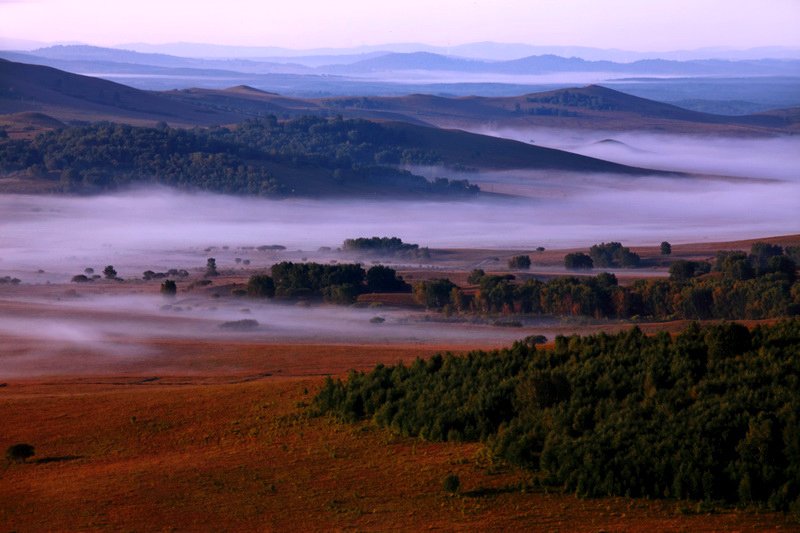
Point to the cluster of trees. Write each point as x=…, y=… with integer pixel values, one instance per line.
x=712, y=413
x=386, y=246
x=764, y=258
x=604, y=255
x=106, y=156
x=150, y=274
x=773, y=293
x=341, y=283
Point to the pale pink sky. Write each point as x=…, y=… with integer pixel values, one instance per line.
x=639, y=25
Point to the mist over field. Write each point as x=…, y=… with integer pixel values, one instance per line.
x=159, y=229
x=49, y=239
x=87, y=333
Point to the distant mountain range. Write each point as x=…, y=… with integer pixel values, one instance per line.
x=115, y=60
x=430, y=130
x=481, y=50
x=69, y=97
x=710, y=85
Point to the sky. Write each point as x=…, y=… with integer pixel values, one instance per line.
x=636, y=25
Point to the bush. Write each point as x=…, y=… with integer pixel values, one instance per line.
x=532, y=340
x=80, y=278
x=240, y=325
x=169, y=288
x=20, y=452
x=451, y=483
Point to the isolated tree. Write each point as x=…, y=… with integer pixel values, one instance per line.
x=169, y=288
x=519, y=262
x=540, y=249
x=80, y=278
x=578, y=261
x=89, y=271
x=20, y=452
x=109, y=272
x=666, y=248
x=211, y=268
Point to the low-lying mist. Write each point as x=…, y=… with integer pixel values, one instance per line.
x=111, y=331
x=773, y=158
x=49, y=239
x=159, y=229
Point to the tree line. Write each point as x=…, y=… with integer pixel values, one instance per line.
x=711, y=414
x=762, y=284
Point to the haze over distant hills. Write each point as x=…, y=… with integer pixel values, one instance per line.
x=479, y=50
x=69, y=97
x=711, y=85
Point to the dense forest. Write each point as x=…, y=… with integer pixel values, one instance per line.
x=762, y=284
x=710, y=414
x=105, y=156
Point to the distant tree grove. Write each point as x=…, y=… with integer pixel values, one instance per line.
x=737, y=286
x=106, y=156
x=341, y=284
x=710, y=414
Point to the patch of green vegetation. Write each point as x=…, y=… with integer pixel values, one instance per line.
x=107, y=156
x=711, y=414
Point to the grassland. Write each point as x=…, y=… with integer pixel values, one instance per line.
x=216, y=435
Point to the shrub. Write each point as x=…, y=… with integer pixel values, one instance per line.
x=246, y=324
x=20, y=452
x=169, y=288
x=451, y=483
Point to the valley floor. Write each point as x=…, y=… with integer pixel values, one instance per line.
x=230, y=452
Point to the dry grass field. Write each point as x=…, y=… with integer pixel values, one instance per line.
x=214, y=452
x=209, y=434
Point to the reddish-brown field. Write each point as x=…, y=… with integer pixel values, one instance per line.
x=215, y=434
x=216, y=452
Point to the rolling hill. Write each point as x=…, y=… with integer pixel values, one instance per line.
x=70, y=97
